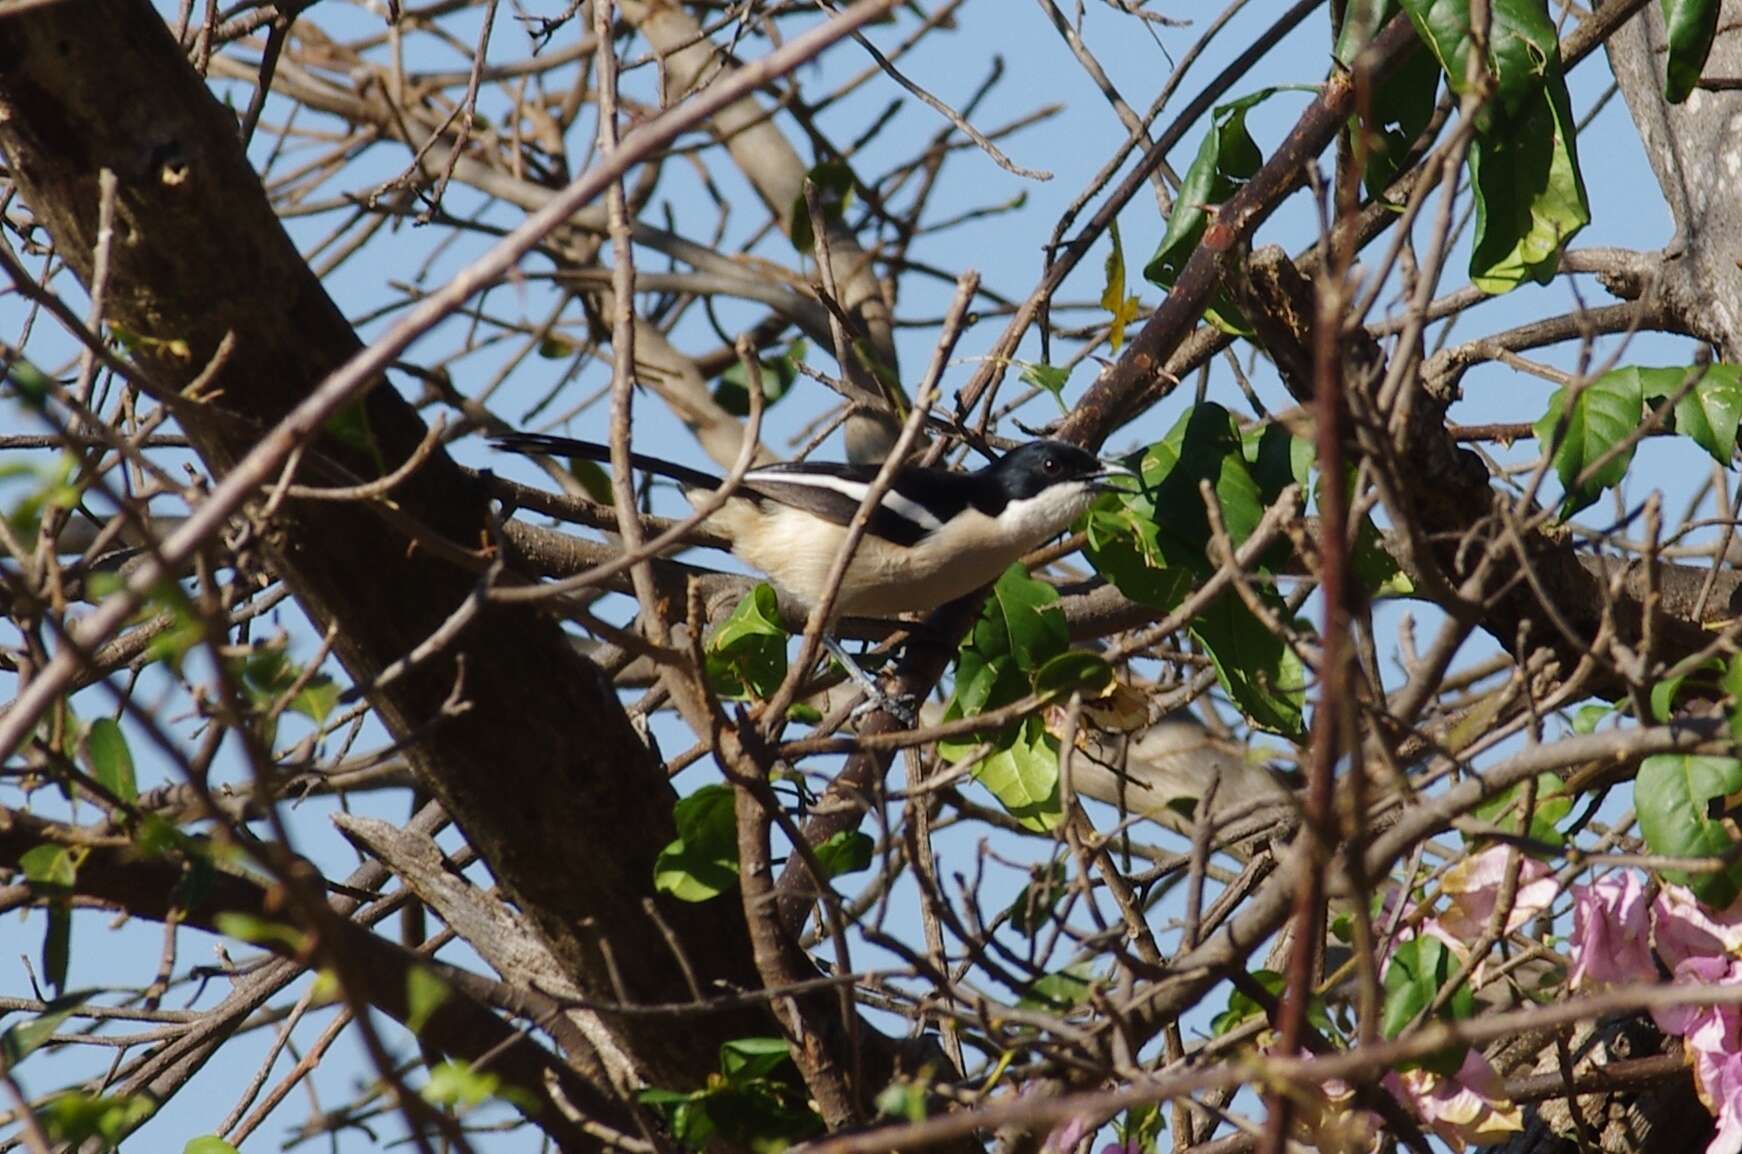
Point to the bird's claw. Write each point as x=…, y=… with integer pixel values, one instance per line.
x=898, y=706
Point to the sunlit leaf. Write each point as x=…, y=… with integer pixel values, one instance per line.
x=1709, y=411
x=1691, y=25
x=460, y=1086
x=1553, y=804
x=1676, y=796
x=1113, y=298
x=76, y=1117
x=110, y=761
x=779, y=374
x=1524, y=167
x=1024, y=776
x=1227, y=158
x=1048, y=377
x=17, y=1042
x=1403, y=104
x=1419, y=969
x=746, y=656
x=702, y=862
x=1601, y=416
x=845, y=852
x=425, y=991
x=1063, y=990
x=260, y=931
x=1260, y=672
x=1021, y=618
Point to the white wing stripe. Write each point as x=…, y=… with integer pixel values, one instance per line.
x=855, y=491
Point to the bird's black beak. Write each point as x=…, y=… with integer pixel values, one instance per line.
x=1113, y=477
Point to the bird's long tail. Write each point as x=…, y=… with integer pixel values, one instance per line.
x=533, y=444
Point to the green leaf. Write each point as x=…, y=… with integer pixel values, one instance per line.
x=1076, y=669
x=702, y=862
x=754, y=1102
x=1113, y=297
x=981, y=685
x=555, y=348
x=1062, y=990
x=57, y=944
x=316, y=699
x=746, y=1059
x=34, y=386
x=904, y=1100
x=1124, y=546
x=76, y=1117
x=350, y=427
x=55, y=488
x=1033, y=907
x=1024, y=776
x=154, y=836
x=1692, y=25
x=459, y=1086
x=208, y=1144
x=110, y=762
x=1553, y=804
x=260, y=931
x=779, y=374
x=1257, y=669
x=833, y=180
x=1374, y=566
x=845, y=852
x=1709, y=411
x=1731, y=683
x=1242, y=1007
x=1048, y=377
x=1587, y=717
x=1226, y=160
x=1675, y=795
x=1524, y=167
x=746, y=656
x=1203, y=445
x=1277, y=459
x=1603, y=414
x=1664, y=693
x=1419, y=969
x=1404, y=102
x=17, y=1042
x=49, y=869
x=185, y=630
x=1021, y=619
x=425, y=991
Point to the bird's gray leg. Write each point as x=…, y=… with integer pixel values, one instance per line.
x=899, y=708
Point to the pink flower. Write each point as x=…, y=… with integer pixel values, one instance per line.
x=1474, y=886
x=1469, y=1107
x=1611, y=931
x=1714, y=1040
x=1683, y=928
x=1694, y=971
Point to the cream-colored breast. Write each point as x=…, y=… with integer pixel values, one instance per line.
x=796, y=550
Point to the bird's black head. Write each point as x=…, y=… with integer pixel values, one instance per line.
x=1031, y=469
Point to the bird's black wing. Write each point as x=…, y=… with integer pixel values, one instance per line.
x=917, y=504
x=544, y=443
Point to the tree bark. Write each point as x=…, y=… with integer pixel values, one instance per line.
x=533, y=756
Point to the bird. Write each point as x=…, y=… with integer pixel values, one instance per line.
x=935, y=536
x=1168, y=767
